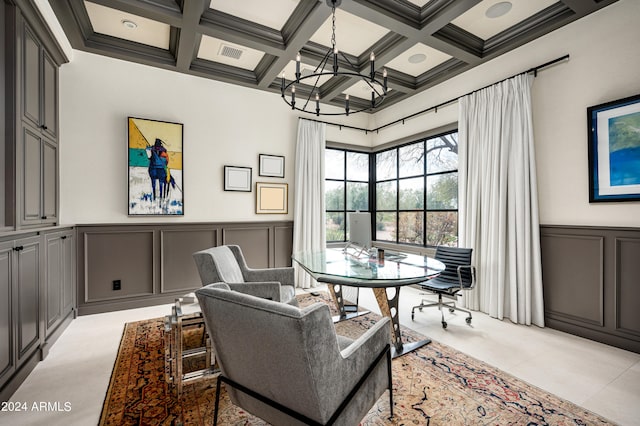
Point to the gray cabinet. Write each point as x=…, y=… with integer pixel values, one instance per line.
x=27, y=289
x=33, y=161
x=39, y=76
x=20, y=330
x=33, y=310
x=38, y=160
x=59, y=294
x=7, y=359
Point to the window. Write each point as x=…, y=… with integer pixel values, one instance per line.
x=416, y=192
x=346, y=189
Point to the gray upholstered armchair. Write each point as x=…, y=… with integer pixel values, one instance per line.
x=226, y=264
x=293, y=369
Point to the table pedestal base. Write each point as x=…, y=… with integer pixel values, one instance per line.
x=345, y=314
x=388, y=307
x=405, y=348
x=348, y=316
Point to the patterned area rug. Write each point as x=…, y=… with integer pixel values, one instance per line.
x=435, y=385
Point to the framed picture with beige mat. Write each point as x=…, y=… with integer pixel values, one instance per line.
x=272, y=198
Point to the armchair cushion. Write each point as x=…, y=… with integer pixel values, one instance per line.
x=227, y=264
x=266, y=290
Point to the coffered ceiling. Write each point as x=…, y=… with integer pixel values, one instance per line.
x=421, y=43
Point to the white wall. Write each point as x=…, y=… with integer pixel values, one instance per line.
x=223, y=125
x=230, y=125
x=604, y=65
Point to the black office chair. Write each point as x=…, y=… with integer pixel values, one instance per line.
x=458, y=275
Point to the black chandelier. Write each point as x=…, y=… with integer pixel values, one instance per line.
x=378, y=88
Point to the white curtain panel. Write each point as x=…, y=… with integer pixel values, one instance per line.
x=498, y=201
x=309, y=232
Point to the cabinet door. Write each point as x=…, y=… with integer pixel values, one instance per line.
x=7, y=362
x=54, y=283
x=49, y=123
x=49, y=181
x=31, y=177
x=30, y=74
x=27, y=287
x=68, y=274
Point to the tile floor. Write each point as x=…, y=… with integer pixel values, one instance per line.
x=601, y=378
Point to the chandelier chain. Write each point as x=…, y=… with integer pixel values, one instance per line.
x=333, y=29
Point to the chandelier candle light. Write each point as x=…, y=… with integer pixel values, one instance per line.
x=378, y=88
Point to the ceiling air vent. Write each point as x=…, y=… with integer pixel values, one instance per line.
x=230, y=52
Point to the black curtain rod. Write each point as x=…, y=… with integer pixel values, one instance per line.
x=533, y=70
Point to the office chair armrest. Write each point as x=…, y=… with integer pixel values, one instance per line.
x=472, y=269
x=265, y=290
x=284, y=276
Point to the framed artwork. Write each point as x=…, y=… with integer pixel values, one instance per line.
x=272, y=198
x=271, y=165
x=237, y=178
x=614, y=150
x=155, y=168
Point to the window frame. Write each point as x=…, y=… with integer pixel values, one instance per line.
x=423, y=138
x=397, y=179
x=345, y=181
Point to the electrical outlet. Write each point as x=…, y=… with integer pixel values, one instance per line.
x=117, y=285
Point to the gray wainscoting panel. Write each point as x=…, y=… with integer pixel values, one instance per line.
x=178, y=270
x=283, y=245
x=591, y=279
x=154, y=261
x=254, y=242
x=126, y=256
x=628, y=285
x=578, y=285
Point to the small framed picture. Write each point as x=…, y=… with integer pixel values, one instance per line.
x=272, y=198
x=614, y=150
x=271, y=165
x=237, y=178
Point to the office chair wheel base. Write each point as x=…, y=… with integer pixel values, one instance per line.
x=420, y=309
x=468, y=319
x=412, y=315
x=444, y=324
x=451, y=310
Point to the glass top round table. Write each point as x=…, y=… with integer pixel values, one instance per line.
x=339, y=267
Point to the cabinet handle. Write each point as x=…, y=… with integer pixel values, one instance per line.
x=43, y=217
x=44, y=127
x=64, y=237
x=19, y=248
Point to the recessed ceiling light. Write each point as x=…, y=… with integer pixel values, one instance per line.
x=129, y=24
x=417, y=58
x=498, y=9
